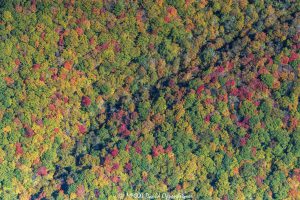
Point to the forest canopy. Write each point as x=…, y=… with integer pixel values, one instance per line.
x=106, y=97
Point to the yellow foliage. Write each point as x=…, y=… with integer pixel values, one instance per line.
x=25, y=195
x=7, y=129
x=149, y=158
x=202, y=3
x=191, y=170
x=243, y=4
x=160, y=2
x=213, y=147
x=2, y=155
x=31, y=156
x=73, y=195
x=226, y=112
x=180, y=111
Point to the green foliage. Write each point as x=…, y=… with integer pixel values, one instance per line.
x=267, y=79
x=144, y=109
x=99, y=98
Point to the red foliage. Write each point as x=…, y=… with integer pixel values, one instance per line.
x=187, y=3
x=294, y=56
x=270, y=61
x=155, y=152
x=167, y=19
x=97, y=193
x=293, y=123
x=256, y=84
x=102, y=10
x=122, y=128
x=233, y=117
x=43, y=34
x=107, y=160
x=225, y=197
x=42, y=171
x=200, y=89
x=66, y=99
x=63, y=75
x=127, y=147
x=160, y=149
x=86, y=101
x=82, y=129
x=17, y=62
x=244, y=124
x=42, y=196
x=126, y=133
x=19, y=150
x=92, y=41
x=79, y=31
x=118, y=115
x=229, y=65
x=223, y=98
x=54, y=77
x=247, y=136
x=8, y=80
x=263, y=70
x=247, y=59
x=80, y=191
x=117, y=47
x=214, y=78
x=253, y=151
x=243, y=141
x=151, y=46
x=169, y=149
x=134, y=115
x=68, y=65
x=297, y=171
x=119, y=188
x=52, y=107
x=18, y=8
x=122, y=15
x=115, y=166
x=29, y=132
x=259, y=180
x=230, y=83
x=256, y=103
x=42, y=78
x=220, y=69
x=36, y=66
x=207, y=118
x=138, y=148
x=234, y=92
x=128, y=166
x=178, y=187
x=284, y=60
x=172, y=83
x=114, y=152
x=244, y=93
x=172, y=11
x=61, y=40
x=17, y=121
x=139, y=16
x=209, y=101
x=115, y=179
x=102, y=47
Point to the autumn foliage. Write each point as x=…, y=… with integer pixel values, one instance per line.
x=104, y=98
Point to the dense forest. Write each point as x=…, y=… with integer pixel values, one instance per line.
x=106, y=97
